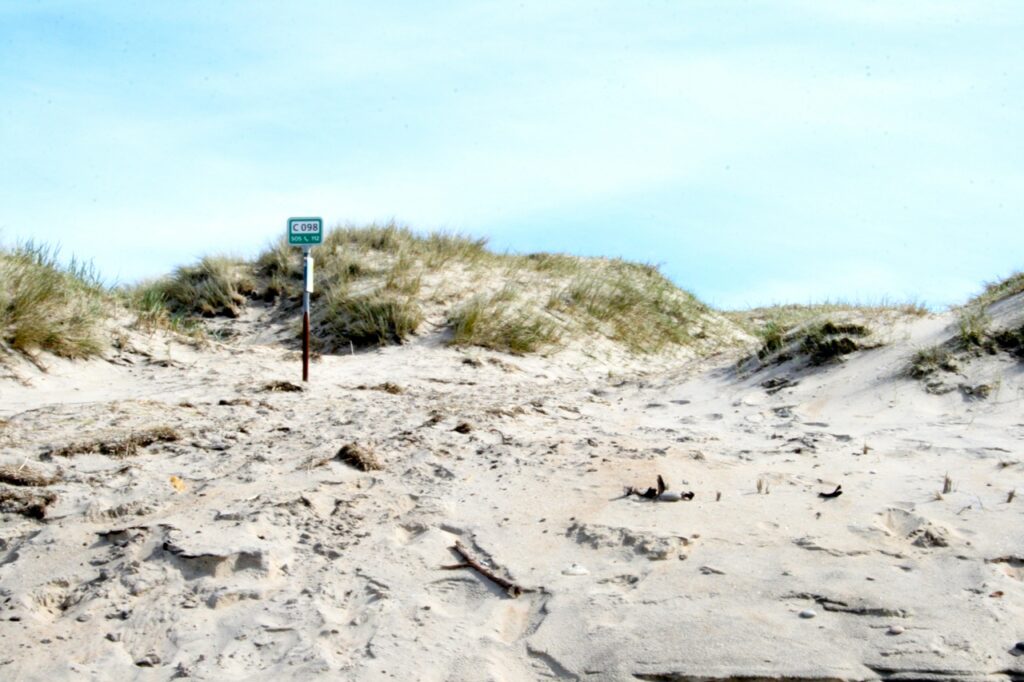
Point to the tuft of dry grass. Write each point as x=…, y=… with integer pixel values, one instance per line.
x=360, y=457
x=386, y=387
x=487, y=322
x=821, y=340
x=998, y=291
x=279, y=385
x=830, y=340
x=927, y=361
x=123, y=446
x=30, y=503
x=25, y=476
x=375, y=319
x=772, y=324
x=215, y=286
x=48, y=306
x=632, y=304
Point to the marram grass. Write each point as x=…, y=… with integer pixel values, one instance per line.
x=48, y=306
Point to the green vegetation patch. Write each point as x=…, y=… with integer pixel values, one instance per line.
x=829, y=341
x=491, y=322
x=215, y=286
x=927, y=361
x=378, y=318
x=821, y=342
x=47, y=306
x=632, y=304
x=772, y=324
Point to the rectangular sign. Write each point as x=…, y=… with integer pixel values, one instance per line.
x=305, y=231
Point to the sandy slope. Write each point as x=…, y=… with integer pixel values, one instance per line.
x=272, y=564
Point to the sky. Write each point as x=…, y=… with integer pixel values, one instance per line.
x=759, y=152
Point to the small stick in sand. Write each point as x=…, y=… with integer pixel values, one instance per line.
x=835, y=493
x=470, y=562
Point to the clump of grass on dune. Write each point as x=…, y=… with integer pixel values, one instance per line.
x=974, y=323
x=997, y=291
x=148, y=301
x=495, y=322
x=48, y=306
x=280, y=266
x=775, y=326
x=632, y=304
x=377, y=318
x=372, y=244
x=927, y=361
x=216, y=285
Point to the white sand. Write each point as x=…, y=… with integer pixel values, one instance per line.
x=268, y=567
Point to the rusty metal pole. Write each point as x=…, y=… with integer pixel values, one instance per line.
x=307, y=271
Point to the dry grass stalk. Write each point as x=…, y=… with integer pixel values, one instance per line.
x=125, y=446
x=947, y=485
x=24, y=476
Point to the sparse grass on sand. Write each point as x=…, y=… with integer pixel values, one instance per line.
x=975, y=324
x=821, y=331
x=125, y=445
x=632, y=304
x=48, y=306
x=25, y=476
x=488, y=322
x=997, y=291
x=927, y=361
x=975, y=334
x=770, y=323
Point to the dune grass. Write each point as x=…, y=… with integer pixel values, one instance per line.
x=632, y=304
x=216, y=285
x=48, y=306
x=974, y=322
x=492, y=322
x=376, y=319
x=775, y=326
x=927, y=361
x=997, y=291
x=377, y=284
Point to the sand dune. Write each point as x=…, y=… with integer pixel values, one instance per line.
x=196, y=519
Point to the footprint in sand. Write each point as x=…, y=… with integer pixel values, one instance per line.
x=645, y=543
x=920, y=531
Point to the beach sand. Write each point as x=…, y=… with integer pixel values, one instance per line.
x=198, y=520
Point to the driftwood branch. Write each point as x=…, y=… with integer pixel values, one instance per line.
x=835, y=493
x=511, y=588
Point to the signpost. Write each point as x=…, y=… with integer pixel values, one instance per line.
x=306, y=232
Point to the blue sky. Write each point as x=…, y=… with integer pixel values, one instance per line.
x=760, y=152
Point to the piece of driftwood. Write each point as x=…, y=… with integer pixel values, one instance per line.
x=655, y=493
x=511, y=588
x=835, y=493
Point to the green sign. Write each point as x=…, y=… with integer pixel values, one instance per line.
x=305, y=231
